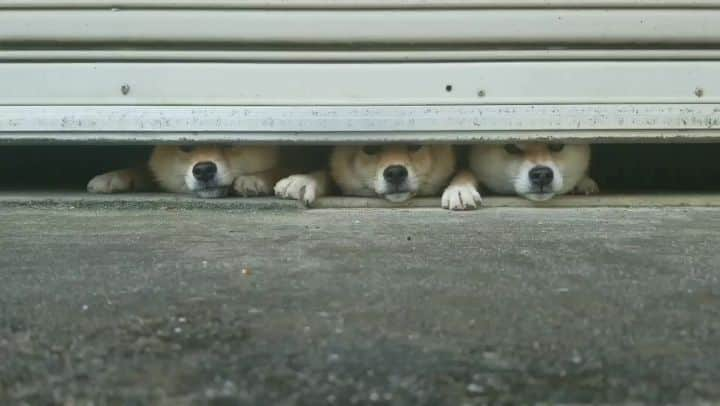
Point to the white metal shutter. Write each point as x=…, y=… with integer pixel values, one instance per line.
x=322, y=71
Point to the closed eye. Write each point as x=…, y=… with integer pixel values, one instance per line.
x=513, y=149
x=371, y=149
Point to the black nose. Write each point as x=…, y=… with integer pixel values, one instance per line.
x=541, y=176
x=204, y=171
x=395, y=174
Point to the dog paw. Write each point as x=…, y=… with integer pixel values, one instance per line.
x=299, y=187
x=586, y=186
x=461, y=197
x=111, y=182
x=251, y=186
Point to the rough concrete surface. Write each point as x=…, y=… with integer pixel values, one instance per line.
x=82, y=200
x=405, y=307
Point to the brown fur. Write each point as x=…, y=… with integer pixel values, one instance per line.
x=248, y=170
x=358, y=173
x=505, y=171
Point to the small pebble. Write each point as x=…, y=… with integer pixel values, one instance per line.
x=576, y=358
x=475, y=388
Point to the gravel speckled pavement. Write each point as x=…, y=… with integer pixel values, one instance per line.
x=403, y=307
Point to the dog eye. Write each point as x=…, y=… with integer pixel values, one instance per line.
x=556, y=147
x=414, y=148
x=512, y=149
x=186, y=148
x=371, y=149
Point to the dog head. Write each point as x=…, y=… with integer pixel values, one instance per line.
x=207, y=170
x=394, y=172
x=537, y=171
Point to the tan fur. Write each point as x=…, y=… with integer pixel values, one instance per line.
x=537, y=153
x=358, y=173
x=123, y=180
x=504, y=172
x=248, y=170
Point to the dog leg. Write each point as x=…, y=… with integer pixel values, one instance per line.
x=124, y=180
x=586, y=186
x=257, y=184
x=305, y=188
x=462, y=193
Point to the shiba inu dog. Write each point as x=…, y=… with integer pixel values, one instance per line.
x=208, y=171
x=393, y=172
x=536, y=171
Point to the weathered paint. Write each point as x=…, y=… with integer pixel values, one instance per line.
x=482, y=70
x=369, y=119
x=325, y=56
x=537, y=82
x=338, y=137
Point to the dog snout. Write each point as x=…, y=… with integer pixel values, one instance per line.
x=395, y=174
x=541, y=176
x=204, y=171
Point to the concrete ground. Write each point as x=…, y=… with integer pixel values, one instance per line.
x=409, y=307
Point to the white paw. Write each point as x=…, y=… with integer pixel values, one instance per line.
x=586, y=186
x=300, y=187
x=251, y=186
x=111, y=182
x=461, y=197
